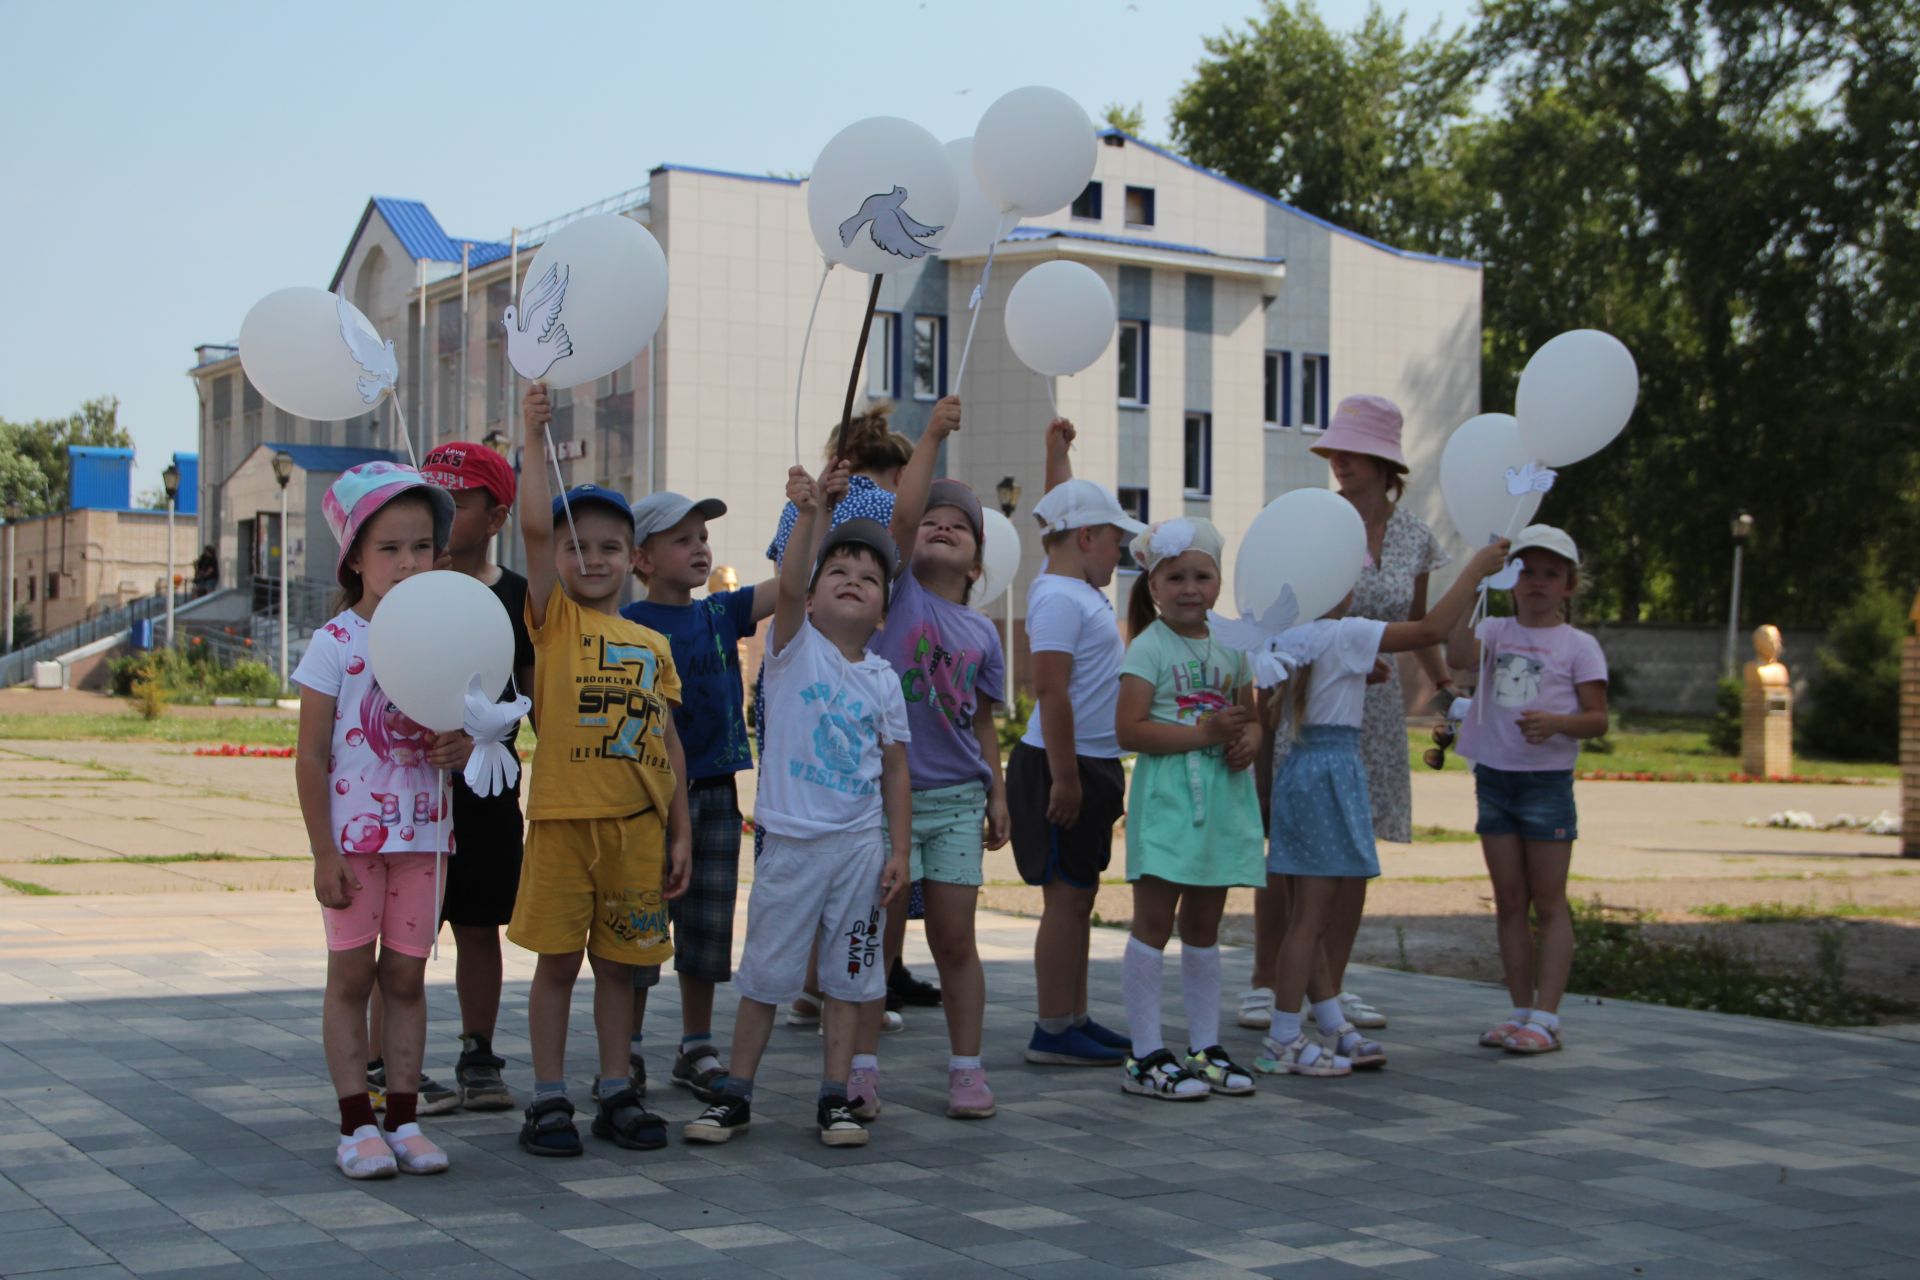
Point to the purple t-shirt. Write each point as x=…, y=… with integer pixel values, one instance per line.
x=1527, y=669
x=949, y=662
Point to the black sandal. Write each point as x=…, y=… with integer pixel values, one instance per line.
x=625, y=1123
x=549, y=1131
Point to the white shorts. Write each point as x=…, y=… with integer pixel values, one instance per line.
x=825, y=889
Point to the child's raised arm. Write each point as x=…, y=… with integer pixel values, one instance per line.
x=1060, y=435
x=536, y=501
x=1432, y=629
x=796, y=566
x=916, y=480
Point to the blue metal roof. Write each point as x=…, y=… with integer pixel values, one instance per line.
x=97, y=451
x=1278, y=203
x=421, y=235
x=1062, y=233
x=330, y=457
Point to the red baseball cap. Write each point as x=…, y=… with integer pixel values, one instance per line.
x=461, y=464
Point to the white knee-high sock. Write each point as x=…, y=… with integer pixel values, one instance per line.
x=1200, y=987
x=1140, y=971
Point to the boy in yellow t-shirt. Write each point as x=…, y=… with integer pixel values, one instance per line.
x=608, y=841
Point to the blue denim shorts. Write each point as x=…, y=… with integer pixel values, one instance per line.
x=1532, y=805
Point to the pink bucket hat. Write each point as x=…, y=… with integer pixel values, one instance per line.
x=1365, y=424
x=360, y=491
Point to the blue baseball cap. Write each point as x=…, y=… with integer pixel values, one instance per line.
x=586, y=494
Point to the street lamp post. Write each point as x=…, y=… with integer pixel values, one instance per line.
x=13, y=518
x=1008, y=491
x=1742, y=530
x=496, y=440
x=170, y=479
x=283, y=472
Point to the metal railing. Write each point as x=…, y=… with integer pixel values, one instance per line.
x=16, y=666
x=624, y=202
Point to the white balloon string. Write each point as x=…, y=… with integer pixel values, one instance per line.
x=1052, y=403
x=800, y=376
x=439, y=863
x=560, y=485
x=979, y=296
x=406, y=436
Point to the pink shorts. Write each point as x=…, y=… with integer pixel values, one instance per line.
x=396, y=903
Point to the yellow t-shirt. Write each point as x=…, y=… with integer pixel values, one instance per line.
x=602, y=689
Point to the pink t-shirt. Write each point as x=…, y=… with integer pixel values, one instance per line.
x=386, y=798
x=1527, y=669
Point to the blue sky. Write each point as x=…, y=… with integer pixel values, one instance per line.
x=166, y=165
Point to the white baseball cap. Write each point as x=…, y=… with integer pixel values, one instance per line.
x=1546, y=538
x=1081, y=504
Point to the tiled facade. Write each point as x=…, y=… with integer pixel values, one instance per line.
x=71, y=565
x=1226, y=291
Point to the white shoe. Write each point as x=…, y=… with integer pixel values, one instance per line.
x=892, y=1021
x=1360, y=1013
x=1256, y=1008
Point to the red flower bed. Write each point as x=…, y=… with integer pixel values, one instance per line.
x=234, y=749
x=1616, y=775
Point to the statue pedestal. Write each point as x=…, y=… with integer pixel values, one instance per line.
x=1766, y=709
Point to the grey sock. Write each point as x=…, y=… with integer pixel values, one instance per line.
x=549, y=1089
x=833, y=1089
x=1080, y=1018
x=1054, y=1026
x=606, y=1088
x=736, y=1087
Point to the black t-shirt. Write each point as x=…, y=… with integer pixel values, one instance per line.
x=512, y=593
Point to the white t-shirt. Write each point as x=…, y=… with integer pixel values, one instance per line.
x=827, y=719
x=1065, y=615
x=385, y=797
x=1337, y=680
x=1527, y=669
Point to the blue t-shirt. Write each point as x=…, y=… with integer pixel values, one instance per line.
x=705, y=637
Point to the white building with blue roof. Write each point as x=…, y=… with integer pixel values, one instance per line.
x=1242, y=322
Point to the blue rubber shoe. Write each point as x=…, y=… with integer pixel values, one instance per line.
x=1071, y=1048
x=1106, y=1036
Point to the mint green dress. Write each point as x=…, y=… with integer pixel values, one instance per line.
x=1190, y=819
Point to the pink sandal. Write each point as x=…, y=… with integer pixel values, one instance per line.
x=1496, y=1037
x=1533, y=1038
x=363, y=1155
x=414, y=1151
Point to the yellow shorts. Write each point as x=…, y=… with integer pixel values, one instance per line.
x=594, y=882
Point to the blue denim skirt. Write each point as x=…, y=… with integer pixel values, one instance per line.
x=1322, y=816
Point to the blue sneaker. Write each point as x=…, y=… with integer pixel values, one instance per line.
x=1071, y=1048
x=1106, y=1036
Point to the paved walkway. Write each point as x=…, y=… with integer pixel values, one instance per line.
x=164, y=1110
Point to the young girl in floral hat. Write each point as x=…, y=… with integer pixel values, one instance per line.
x=370, y=794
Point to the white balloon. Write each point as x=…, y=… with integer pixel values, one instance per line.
x=978, y=220
x=1034, y=151
x=1575, y=396
x=613, y=275
x=880, y=195
x=1309, y=539
x=294, y=346
x=999, y=559
x=1060, y=316
x=432, y=634
x=1473, y=470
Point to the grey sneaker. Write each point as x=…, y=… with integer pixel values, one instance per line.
x=435, y=1098
x=478, y=1075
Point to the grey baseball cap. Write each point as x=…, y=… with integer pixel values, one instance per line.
x=952, y=493
x=862, y=532
x=658, y=512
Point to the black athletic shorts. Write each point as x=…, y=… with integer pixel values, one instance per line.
x=483, y=875
x=1077, y=854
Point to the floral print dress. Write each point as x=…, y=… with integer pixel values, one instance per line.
x=1385, y=593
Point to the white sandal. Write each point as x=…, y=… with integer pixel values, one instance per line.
x=1303, y=1057
x=363, y=1155
x=1256, y=1008
x=414, y=1151
x=1360, y=1013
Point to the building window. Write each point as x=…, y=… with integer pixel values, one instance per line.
x=53, y=586
x=1134, y=503
x=883, y=357
x=1313, y=393
x=1278, y=398
x=1133, y=362
x=1139, y=206
x=1087, y=205
x=1197, y=466
x=929, y=357
x=250, y=413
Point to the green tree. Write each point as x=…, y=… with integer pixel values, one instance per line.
x=1855, y=711
x=1127, y=119
x=33, y=455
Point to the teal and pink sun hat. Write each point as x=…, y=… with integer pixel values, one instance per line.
x=360, y=491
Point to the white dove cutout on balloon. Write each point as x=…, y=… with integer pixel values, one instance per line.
x=1532, y=478
x=533, y=350
x=1262, y=638
x=364, y=345
x=893, y=228
x=491, y=769
x=1503, y=580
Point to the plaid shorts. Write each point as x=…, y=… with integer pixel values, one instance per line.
x=703, y=915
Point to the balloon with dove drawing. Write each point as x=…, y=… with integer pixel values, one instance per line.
x=1299, y=558
x=879, y=194
x=889, y=226
x=593, y=299
x=315, y=355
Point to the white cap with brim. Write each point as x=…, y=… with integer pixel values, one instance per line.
x=658, y=512
x=1082, y=504
x=1544, y=537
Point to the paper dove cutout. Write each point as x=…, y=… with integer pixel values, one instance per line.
x=363, y=344
x=491, y=769
x=894, y=229
x=1532, y=478
x=1250, y=635
x=1505, y=580
x=534, y=351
